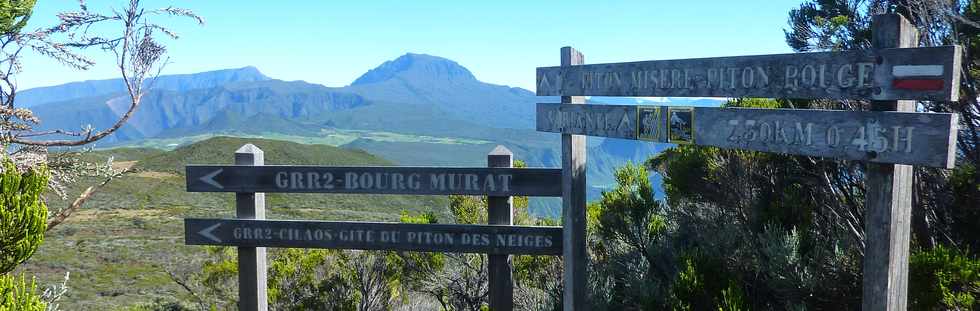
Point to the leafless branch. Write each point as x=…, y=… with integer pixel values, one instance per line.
x=63, y=214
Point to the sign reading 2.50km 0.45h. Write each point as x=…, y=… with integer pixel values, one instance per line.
x=876, y=136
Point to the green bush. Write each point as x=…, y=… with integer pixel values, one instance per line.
x=17, y=295
x=943, y=278
x=23, y=214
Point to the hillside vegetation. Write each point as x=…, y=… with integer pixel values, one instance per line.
x=119, y=247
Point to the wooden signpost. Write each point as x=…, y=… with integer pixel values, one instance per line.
x=249, y=179
x=891, y=137
x=252, y=268
x=500, y=211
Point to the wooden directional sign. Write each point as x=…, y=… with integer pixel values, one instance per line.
x=887, y=74
x=374, y=236
x=877, y=136
x=380, y=180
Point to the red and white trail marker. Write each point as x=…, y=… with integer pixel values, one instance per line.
x=918, y=77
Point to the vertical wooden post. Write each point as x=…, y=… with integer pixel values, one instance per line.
x=889, y=196
x=252, y=294
x=500, y=211
x=574, y=254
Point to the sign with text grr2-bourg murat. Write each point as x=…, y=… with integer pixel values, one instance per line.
x=250, y=179
x=376, y=180
x=886, y=74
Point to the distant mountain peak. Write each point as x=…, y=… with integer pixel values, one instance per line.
x=416, y=66
x=250, y=71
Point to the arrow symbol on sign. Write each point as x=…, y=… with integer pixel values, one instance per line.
x=207, y=232
x=209, y=179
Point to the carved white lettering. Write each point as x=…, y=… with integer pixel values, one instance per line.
x=792, y=73
x=864, y=74
x=844, y=76
x=282, y=180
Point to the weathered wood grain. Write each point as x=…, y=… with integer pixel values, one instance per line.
x=252, y=267
x=500, y=211
x=573, y=187
x=374, y=236
x=889, y=198
x=884, y=74
x=377, y=180
x=914, y=138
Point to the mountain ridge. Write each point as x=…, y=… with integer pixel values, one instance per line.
x=176, y=82
x=414, y=94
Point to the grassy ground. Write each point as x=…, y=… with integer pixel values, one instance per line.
x=326, y=136
x=119, y=246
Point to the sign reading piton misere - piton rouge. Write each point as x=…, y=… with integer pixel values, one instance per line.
x=929, y=73
x=377, y=180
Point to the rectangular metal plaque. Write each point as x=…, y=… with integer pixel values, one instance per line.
x=378, y=180
x=912, y=138
x=930, y=73
x=374, y=236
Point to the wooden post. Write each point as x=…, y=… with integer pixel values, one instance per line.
x=500, y=211
x=574, y=254
x=889, y=196
x=252, y=280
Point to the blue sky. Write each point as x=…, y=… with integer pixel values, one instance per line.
x=501, y=42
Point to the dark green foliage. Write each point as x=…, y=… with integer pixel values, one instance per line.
x=828, y=25
x=946, y=203
x=16, y=294
x=965, y=205
x=23, y=215
x=310, y=280
x=703, y=283
x=14, y=15
x=944, y=278
x=629, y=234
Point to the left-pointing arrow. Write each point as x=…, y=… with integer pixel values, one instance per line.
x=209, y=179
x=207, y=232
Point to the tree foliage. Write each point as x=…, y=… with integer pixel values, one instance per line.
x=750, y=230
x=16, y=294
x=14, y=15
x=23, y=214
x=944, y=277
x=947, y=203
x=461, y=281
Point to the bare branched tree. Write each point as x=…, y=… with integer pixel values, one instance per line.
x=139, y=57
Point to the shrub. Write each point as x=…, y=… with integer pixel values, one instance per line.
x=23, y=214
x=17, y=295
x=943, y=278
